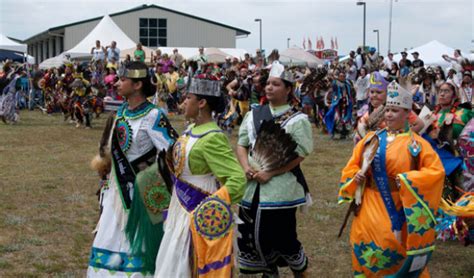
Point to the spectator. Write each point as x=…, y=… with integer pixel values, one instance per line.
x=351, y=71
x=388, y=62
x=404, y=69
x=406, y=61
x=112, y=63
x=166, y=62
x=98, y=52
x=201, y=58
x=249, y=62
x=157, y=58
x=177, y=58
x=359, y=60
x=127, y=60
x=417, y=62
x=113, y=52
x=466, y=89
x=227, y=64
x=362, y=88
x=139, y=54
x=394, y=72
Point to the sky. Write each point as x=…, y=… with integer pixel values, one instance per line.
x=414, y=22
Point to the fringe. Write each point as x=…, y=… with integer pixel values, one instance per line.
x=309, y=202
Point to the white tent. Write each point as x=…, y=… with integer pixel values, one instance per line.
x=106, y=31
x=214, y=55
x=7, y=44
x=235, y=52
x=54, y=62
x=295, y=56
x=187, y=52
x=431, y=54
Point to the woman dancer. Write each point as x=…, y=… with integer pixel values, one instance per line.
x=207, y=180
x=133, y=196
x=394, y=180
x=273, y=193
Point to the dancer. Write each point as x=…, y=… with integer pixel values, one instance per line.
x=9, y=114
x=134, y=197
x=207, y=180
x=273, y=141
x=339, y=117
x=373, y=119
x=394, y=180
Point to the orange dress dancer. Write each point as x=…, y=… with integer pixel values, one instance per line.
x=393, y=233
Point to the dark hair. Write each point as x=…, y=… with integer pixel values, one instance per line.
x=147, y=87
x=216, y=104
x=290, y=85
x=441, y=71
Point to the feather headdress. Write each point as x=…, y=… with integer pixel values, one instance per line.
x=273, y=149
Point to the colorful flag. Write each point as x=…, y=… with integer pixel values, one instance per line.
x=322, y=43
x=337, y=46
x=310, y=44
x=332, y=43
x=304, y=43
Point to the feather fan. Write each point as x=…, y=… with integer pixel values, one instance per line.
x=273, y=149
x=367, y=157
x=375, y=118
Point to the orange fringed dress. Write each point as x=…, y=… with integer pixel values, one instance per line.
x=376, y=251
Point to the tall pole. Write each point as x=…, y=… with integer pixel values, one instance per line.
x=390, y=27
x=364, y=25
x=288, y=43
x=360, y=3
x=259, y=20
x=378, y=40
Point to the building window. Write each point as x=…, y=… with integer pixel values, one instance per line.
x=153, y=32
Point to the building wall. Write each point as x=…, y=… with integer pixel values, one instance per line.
x=74, y=34
x=182, y=31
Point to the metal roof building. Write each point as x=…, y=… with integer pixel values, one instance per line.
x=152, y=25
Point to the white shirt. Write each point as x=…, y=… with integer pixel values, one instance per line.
x=358, y=61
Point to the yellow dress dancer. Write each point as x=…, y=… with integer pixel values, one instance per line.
x=395, y=179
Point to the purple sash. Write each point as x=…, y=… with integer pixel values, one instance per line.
x=188, y=196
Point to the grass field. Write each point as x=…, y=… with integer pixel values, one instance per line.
x=48, y=206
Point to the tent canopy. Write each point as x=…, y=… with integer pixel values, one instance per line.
x=15, y=56
x=54, y=62
x=430, y=53
x=7, y=44
x=214, y=55
x=295, y=56
x=106, y=31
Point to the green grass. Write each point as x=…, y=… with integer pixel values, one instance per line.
x=48, y=207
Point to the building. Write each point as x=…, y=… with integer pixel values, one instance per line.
x=152, y=25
